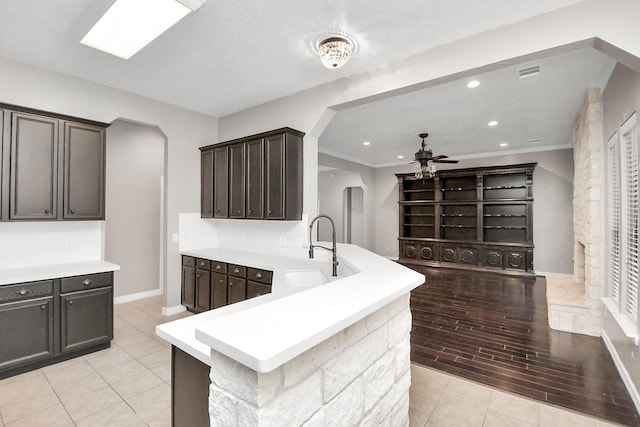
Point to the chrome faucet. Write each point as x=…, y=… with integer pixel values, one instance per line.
x=333, y=235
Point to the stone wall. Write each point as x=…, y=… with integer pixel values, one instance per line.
x=360, y=376
x=582, y=312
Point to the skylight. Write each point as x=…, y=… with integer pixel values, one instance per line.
x=129, y=25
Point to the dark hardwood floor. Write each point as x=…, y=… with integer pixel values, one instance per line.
x=493, y=329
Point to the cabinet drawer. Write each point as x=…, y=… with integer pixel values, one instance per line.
x=26, y=291
x=262, y=276
x=188, y=261
x=237, y=270
x=203, y=264
x=87, y=281
x=218, y=267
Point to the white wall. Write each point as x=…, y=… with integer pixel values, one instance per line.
x=25, y=244
x=331, y=200
x=185, y=131
x=135, y=160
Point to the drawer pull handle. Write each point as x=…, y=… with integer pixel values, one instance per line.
x=46, y=211
x=73, y=211
x=221, y=281
x=230, y=283
x=202, y=264
x=70, y=302
x=22, y=292
x=218, y=267
x=43, y=307
x=236, y=270
x=86, y=282
x=258, y=275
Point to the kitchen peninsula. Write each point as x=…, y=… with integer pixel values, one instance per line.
x=342, y=343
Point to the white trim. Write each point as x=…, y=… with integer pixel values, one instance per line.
x=546, y=273
x=624, y=374
x=139, y=295
x=170, y=311
x=628, y=327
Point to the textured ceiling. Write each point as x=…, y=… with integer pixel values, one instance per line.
x=533, y=113
x=231, y=55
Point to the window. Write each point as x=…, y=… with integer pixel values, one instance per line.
x=623, y=173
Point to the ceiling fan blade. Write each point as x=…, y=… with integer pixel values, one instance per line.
x=442, y=156
x=444, y=161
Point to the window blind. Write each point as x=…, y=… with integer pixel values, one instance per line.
x=613, y=169
x=631, y=230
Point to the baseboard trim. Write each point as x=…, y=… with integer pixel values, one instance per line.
x=624, y=374
x=137, y=296
x=170, y=311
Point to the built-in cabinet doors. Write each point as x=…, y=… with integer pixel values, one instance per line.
x=27, y=332
x=87, y=319
x=206, y=175
x=34, y=167
x=221, y=180
x=237, y=181
x=188, y=286
x=255, y=179
x=83, y=171
x=274, y=178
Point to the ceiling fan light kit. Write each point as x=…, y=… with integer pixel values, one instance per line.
x=426, y=168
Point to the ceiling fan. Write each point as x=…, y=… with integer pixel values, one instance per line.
x=423, y=156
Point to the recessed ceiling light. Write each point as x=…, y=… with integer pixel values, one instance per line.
x=401, y=157
x=473, y=83
x=492, y=123
x=128, y=26
x=504, y=144
x=366, y=143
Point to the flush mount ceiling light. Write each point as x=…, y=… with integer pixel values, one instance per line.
x=335, y=51
x=492, y=123
x=129, y=25
x=473, y=83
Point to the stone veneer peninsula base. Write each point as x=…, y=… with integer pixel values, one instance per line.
x=360, y=376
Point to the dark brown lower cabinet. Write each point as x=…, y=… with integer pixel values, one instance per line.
x=214, y=284
x=50, y=321
x=86, y=319
x=35, y=316
x=189, y=390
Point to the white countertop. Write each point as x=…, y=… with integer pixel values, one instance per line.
x=266, y=332
x=52, y=271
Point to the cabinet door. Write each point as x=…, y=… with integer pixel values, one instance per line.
x=188, y=286
x=26, y=332
x=255, y=289
x=83, y=182
x=274, y=176
x=237, y=289
x=236, y=180
x=86, y=319
x=34, y=171
x=255, y=179
x=206, y=184
x=203, y=289
x=221, y=182
x=218, y=290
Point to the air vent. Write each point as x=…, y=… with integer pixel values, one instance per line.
x=529, y=71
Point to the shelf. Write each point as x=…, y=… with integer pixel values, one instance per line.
x=504, y=187
x=458, y=226
x=459, y=189
x=505, y=227
x=419, y=225
x=411, y=214
x=503, y=216
x=460, y=215
x=424, y=190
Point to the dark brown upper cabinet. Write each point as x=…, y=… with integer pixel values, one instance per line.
x=84, y=150
x=52, y=166
x=34, y=167
x=237, y=179
x=221, y=182
x=257, y=177
x=206, y=183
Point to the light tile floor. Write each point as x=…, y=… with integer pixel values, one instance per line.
x=129, y=385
